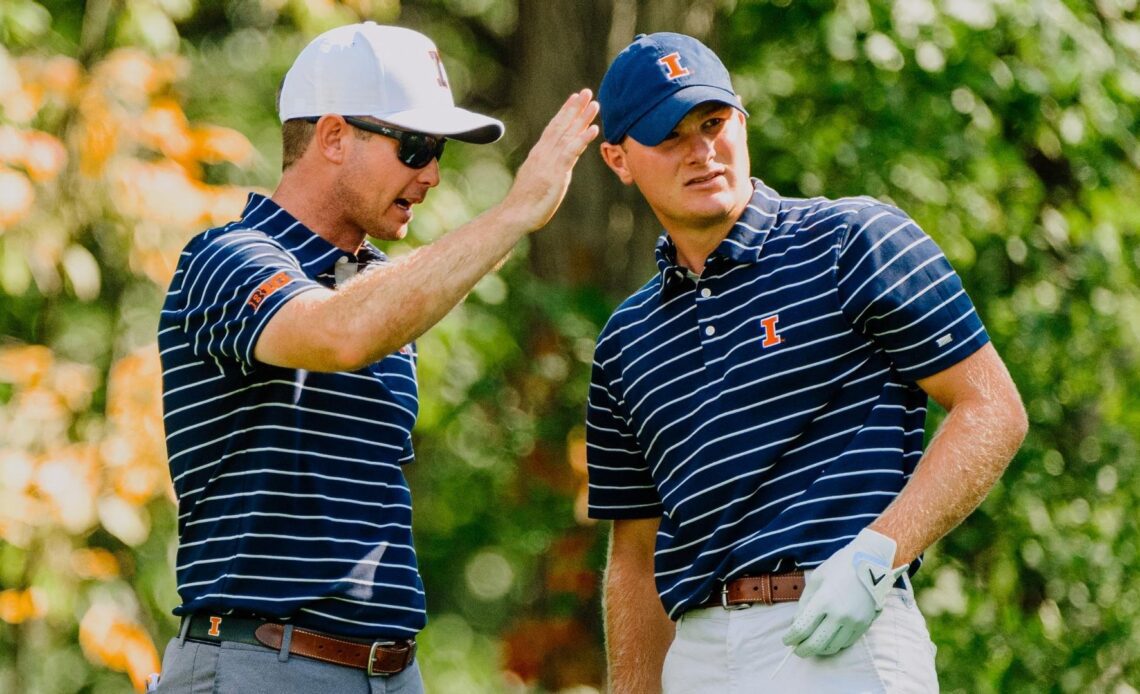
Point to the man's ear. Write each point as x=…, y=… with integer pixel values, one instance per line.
x=615, y=158
x=330, y=138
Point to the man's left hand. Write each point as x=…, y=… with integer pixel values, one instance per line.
x=844, y=595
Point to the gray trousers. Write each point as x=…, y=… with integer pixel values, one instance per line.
x=191, y=667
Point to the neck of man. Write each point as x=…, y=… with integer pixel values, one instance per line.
x=695, y=245
x=309, y=203
x=697, y=239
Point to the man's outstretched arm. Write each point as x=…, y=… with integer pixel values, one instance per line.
x=385, y=309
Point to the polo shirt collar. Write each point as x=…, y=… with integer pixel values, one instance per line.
x=314, y=253
x=743, y=245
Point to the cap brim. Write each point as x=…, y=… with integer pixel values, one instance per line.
x=660, y=120
x=455, y=123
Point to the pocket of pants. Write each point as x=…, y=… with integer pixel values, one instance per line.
x=915, y=621
x=901, y=649
x=409, y=681
x=188, y=668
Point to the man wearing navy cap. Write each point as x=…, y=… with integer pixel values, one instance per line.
x=289, y=373
x=756, y=413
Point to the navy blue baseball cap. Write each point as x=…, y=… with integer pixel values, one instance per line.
x=652, y=84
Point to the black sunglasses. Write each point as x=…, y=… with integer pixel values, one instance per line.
x=416, y=149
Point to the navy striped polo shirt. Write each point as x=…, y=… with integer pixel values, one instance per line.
x=767, y=410
x=291, y=499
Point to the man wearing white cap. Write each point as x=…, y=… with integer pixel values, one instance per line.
x=756, y=421
x=289, y=386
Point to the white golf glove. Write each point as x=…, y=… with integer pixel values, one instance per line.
x=844, y=595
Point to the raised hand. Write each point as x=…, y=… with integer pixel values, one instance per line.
x=542, y=180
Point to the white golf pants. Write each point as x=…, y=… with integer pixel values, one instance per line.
x=740, y=652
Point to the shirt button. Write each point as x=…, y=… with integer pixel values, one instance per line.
x=706, y=292
x=710, y=330
x=678, y=273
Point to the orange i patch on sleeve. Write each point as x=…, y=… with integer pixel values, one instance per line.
x=267, y=287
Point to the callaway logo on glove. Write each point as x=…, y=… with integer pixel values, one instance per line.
x=844, y=595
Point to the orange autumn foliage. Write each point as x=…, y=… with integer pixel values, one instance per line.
x=134, y=451
x=104, y=147
x=110, y=638
x=18, y=606
x=95, y=563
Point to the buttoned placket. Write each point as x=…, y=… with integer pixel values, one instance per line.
x=706, y=306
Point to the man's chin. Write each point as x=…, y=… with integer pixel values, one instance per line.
x=713, y=211
x=390, y=232
x=721, y=204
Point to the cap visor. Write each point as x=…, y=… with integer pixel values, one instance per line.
x=655, y=125
x=455, y=123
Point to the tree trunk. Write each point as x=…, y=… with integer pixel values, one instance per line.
x=603, y=236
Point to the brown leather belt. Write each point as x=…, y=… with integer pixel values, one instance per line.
x=766, y=589
x=374, y=657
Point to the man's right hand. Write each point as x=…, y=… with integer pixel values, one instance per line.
x=542, y=180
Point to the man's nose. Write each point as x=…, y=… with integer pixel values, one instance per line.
x=429, y=175
x=700, y=147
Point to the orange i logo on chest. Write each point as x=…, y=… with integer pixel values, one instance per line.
x=771, y=337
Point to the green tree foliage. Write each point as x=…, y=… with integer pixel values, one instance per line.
x=1007, y=129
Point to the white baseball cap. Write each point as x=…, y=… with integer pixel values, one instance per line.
x=390, y=73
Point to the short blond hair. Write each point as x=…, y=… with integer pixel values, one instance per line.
x=296, y=134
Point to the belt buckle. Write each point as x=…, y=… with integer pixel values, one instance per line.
x=724, y=599
x=372, y=658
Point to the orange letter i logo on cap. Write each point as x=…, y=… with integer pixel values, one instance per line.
x=215, y=622
x=673, y=66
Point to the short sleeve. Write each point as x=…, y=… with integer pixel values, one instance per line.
x=230, y=285
x=620, y=484
x=896, y=286
x=409, y=453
